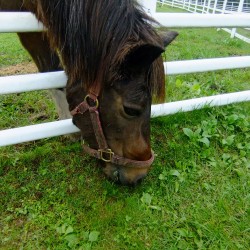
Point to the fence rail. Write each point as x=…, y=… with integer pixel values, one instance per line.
x=51, y=129
x=31, y=82
x=51, y=80
x=19, y=22
x=175, y=20
x=26, y=22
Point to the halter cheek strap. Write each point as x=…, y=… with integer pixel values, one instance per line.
x=104, y=153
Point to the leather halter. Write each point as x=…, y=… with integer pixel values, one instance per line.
x=104, y=153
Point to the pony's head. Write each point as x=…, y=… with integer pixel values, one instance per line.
x=112, y=56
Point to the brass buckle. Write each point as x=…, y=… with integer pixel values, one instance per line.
x=106, y=155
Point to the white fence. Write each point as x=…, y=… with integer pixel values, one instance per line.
x=209, y=6
x=214, y=7
x=15, y=84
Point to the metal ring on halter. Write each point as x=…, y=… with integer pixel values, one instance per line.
x=96, y=102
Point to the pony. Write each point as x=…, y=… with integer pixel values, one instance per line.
x=111, y=53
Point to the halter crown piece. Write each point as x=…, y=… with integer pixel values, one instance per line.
x=104, y=153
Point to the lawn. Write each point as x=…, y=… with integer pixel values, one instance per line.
x=195, y=197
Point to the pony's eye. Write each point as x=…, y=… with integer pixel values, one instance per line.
x=133, y=112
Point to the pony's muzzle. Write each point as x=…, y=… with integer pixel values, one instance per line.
x=124, y=175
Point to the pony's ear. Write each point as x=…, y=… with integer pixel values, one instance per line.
x=168, y=37
x=142, y=56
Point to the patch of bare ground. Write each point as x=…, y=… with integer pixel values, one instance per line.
x=19, y=69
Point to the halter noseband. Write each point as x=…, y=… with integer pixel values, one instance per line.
x=104, y=153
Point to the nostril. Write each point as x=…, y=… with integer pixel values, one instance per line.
x=116, y=175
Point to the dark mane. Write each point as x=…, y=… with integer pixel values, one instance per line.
x=104, y=33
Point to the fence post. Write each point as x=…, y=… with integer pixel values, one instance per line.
x=203, y=8
x=240, y=8
x=189, y=2
x=184, y=2
x=224, y=7
x=149, y=6
x=208, y=6
x=215, y=5
x=195, y=7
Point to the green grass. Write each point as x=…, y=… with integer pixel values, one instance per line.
x=243, y=32
x=195, y=197
x=11, y=51
x=166, y=8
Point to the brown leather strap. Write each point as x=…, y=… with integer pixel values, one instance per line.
x=80, y=109
x=119, y=160
x=97, y=127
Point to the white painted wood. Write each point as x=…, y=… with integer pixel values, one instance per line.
x=174, y=20
x=204, y=65
x=199, y=103
x=26, y=22
x=36, y=132
x=31, y=82
x=19, y=22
